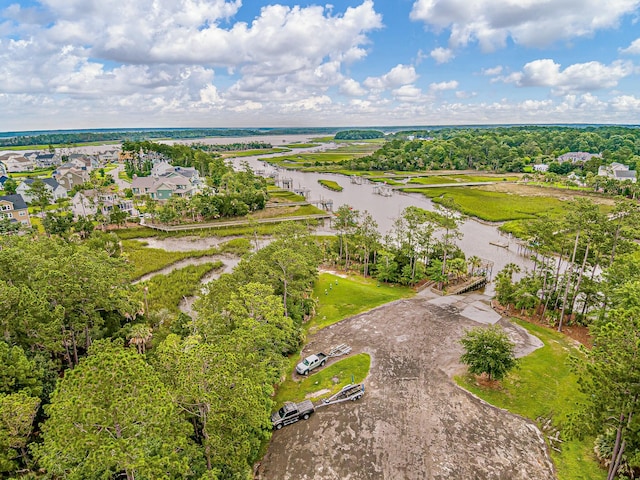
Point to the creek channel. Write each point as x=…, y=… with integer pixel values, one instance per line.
x=477, y=237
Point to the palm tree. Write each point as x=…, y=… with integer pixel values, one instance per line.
x=139, y=336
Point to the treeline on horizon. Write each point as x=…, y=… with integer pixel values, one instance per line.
x=18, y=139
x=501, y=149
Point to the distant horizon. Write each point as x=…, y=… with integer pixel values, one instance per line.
x=27, y=133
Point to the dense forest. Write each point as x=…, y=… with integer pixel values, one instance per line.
x=95, y=385
x=501, y=149
x=358, y=134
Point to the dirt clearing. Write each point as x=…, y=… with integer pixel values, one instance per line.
x=413, y=422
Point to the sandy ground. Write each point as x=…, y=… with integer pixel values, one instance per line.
x=413, y=422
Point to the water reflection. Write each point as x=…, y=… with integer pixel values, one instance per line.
x=478, y=239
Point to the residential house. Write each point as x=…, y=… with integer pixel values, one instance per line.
x=46, y=160
x=16, y=163
x=89, y=202
x=108, y=156
x=163, y=187
x=14, y=208
x=166, y=180
x=3, y=178
x=57, y=190
x=162, y=168
x=3, y=170
x=82, y=161
x=540, y=167
x=70, y=177
x=617, y=171
x=578, y=157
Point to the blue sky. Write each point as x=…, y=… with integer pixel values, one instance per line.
x=233, y=63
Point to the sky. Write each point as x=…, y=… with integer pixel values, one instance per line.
x=70, y=64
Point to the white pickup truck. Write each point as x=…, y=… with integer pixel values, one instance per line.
x=311, y=362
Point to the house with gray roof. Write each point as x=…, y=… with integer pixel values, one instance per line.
x=15, y=209
x=16, y=163
x=617, y=171
x=70, y=176
x=577, y=157
x=57, y=190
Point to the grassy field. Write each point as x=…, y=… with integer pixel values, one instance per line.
x=349, y=296
x=331, y=185
x=545, y=387
x=279, y=195
x=353, y=369
x=323, y=161
x=302, y=145
x=39, y=173
x=251, y=153
x=495, y=206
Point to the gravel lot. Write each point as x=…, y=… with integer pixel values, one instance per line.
x=413, y=422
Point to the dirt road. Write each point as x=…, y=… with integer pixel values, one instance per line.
x=413, y=422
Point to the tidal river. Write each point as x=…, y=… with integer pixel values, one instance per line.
x=477, y=236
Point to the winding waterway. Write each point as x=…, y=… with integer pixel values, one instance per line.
x=477, y=236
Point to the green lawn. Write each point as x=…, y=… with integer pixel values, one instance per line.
x=331, y=185
x=434, y=180
x=349, y=296
x=302, y=145
x=545, y=386
x=353, y=369
x=255, y=152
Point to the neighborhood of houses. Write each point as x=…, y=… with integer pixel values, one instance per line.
x=72, y=170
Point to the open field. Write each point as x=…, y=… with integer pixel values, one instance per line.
x=504, y=202
x=323, y=160
x=346, y=296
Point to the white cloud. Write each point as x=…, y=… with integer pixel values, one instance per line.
x=407, y=93
x=286, y=58
x=441, y=86
x=442, y=55
x=352, y=88
x=526, y=22
x=577, y=77
x=490, y=72
x=397, y=76
x=633, y=49
x=626, y=103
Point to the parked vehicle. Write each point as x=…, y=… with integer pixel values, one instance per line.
x=311, y=362
x=292, y=412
